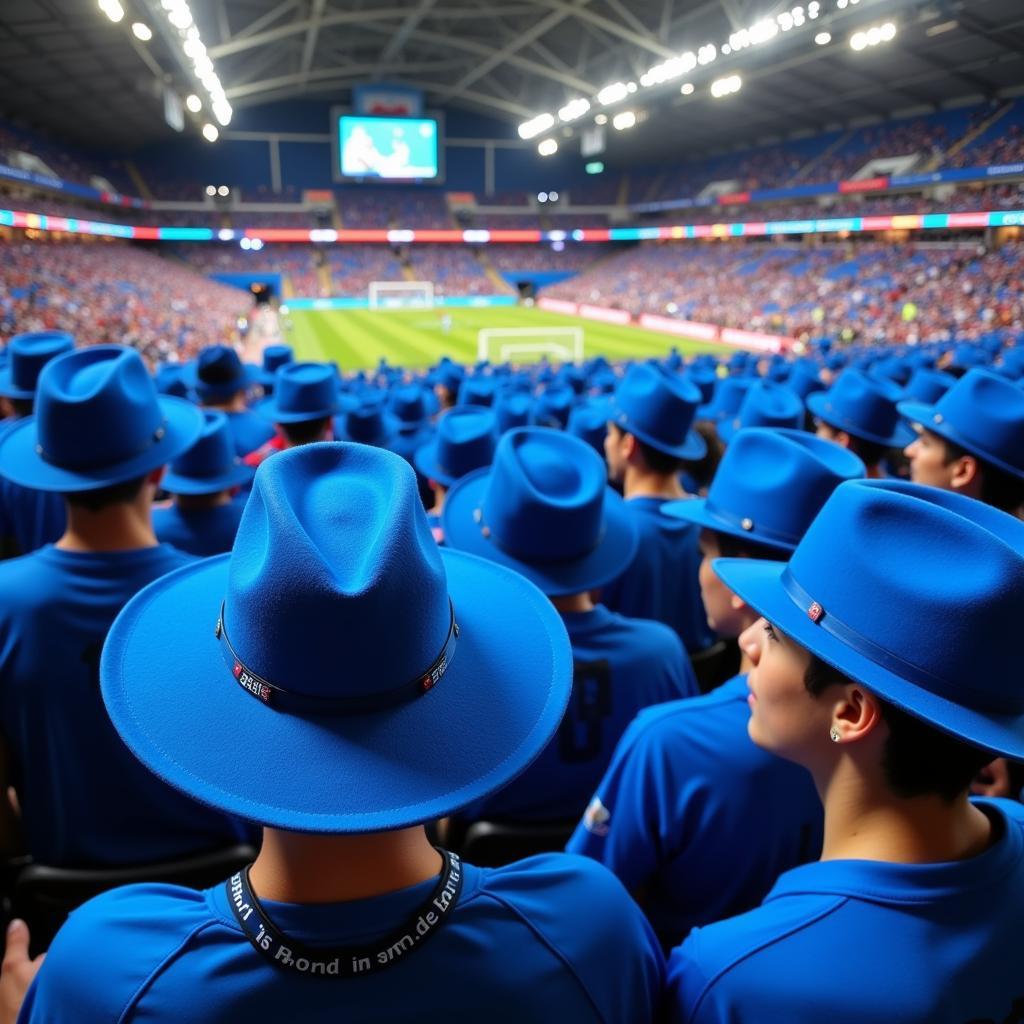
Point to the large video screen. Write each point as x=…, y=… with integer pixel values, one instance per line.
x=388, y=148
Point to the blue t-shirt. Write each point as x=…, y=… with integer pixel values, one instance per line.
x=249, y=430
x=867, y=942
x=85, y=799
x=29, y=518
x=662, y=582
x=620, y=666
x=696, y=819
x=200, y=531
x=549, y=938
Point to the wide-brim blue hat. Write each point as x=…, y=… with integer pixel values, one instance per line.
x=463, y=442
x=607, y=561
x=766, y=404
x=303, y=392
x=211, y=464
x=332, y=553
x=68, y=445
x=239, y=475
x=222, y=361
x=822, y=404
x=879, y=576
x=27, y=355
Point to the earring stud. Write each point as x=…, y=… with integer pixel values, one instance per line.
x=833, y=734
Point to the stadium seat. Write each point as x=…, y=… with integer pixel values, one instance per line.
x=491, y=844
x=715, y=664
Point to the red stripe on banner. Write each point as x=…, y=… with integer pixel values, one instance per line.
x=149, y=234
x=593, y=235
x=438, y=235
x=968, y=220
x=734, y=198
x=876, y=223
x=864, y=185
x=362, y=235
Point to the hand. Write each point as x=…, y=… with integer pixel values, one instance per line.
x=17, y=973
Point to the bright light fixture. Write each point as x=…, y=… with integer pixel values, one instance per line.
x=823, y=38
x=614, y=93
x=623, y=120
x=210, y=132
x=536, y=125
x=223, y=191
x=112, y=9
x=601, y=119
x=142, y=31
x=194, y=103
x=726, y=86
x=574, y=109
x=547, y=147
x=686, y=88
x=211, y=190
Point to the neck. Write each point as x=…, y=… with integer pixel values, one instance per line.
x=124, y=527
x=874, y=472
x=573, y=603
x=233, y=404
x=294, y=867
x=439, y=496
x=865, y=821
x=640, y=482
x=192, y=502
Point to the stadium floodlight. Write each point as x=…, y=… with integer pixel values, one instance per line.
x=872, y=36
x=573, y=110
x=225, y=234
x=245, y=243
x=823, y=38
x=142, y=31
x=552, y=197
x=257, y=244
x=726, y=86
x=674, y=67
x=211, y=190
x=194, y=103
x=601, y=119
x=625, y=119
x=707, y=54
x=223, y=191
x=210, y=132
x=536, y=126
x=686, y=88
x=112, y=9
x=547, y=147
x=542, y=197
x=614, y=93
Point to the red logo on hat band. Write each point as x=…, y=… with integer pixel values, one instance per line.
x=815, y=612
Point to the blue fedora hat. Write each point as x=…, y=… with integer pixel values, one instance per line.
x=27, y=354
x=864, y=407
x=883, y=567
x=292, y=639
x=368, y=422
x=303, y=391
x=170, y=380
x=408, y=404
x=553, y=405
x=983, y=413
x=927, y=386
x=218, y=373
x=704, y=379
x=728, y=397
x=543, y=508
x=659, y=408
x=211, y=464
x=477, y=391
x=274, y=357
x=766, y=404
x=465, y=440
x=769, y=485
x=804, y=379
x=98, y=421
x=589, y=422
x=513, y=409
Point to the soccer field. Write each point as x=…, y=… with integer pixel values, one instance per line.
x=355, y=339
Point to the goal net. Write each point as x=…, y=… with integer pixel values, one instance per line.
x=527, y=344
x=401, y=295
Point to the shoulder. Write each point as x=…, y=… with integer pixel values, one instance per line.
x=27, y=580
x=691, y=715
x=110, y=947
x=648, y=635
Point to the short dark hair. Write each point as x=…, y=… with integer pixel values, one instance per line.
x=870, y=453
x=22, y=406
x=730, y=546
x=1000, y=489
x=919, y=759
x=305, y=431
x=702, y=471
x=104, y=497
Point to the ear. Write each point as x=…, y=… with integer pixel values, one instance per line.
x=843, y=438
x=736, y=603
x=156, y=476
x=857, y=714
x=965, y=472
x=628, y=446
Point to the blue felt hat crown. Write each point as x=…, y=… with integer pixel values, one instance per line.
x=274, y=357
x=477, y=391
x=553, y=406
x=659, y=408
x=766, y=404
x=769, y=485
x=219, y=373
x=589, y=422
x=98, y=421
x=513, y=409
x=303, y=391
x=408, y=404
x=341, y=643
x=927, y=386
x=465, y=440
x=543, y=508
x=728, y=397
x=863, y=407
x=983, y=413
x=211, y=464
x=916, y=593
x=368, y=422
x=27, y=354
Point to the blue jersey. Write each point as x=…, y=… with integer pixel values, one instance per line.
x=550, y=938
x=29, y=518
x=696, y=819
x=662, y=581
x=249, y=430
x=200, y=531
x=867, y=942
x=85, y=799
x=620, y=666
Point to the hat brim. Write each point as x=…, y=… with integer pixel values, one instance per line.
x=425, y=461
x=22, y=463
x=270, y=409
x=250, y=377
x=8, y=389
x=612, y=556
x=924, y=416
x=901, y=436
x=695, y=510
x=693, y=448
x=238, y=476
x=759, y=583
x=178, y=708
x=382, y=440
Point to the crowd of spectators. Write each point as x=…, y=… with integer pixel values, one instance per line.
x=115, y=293
x=297, y=262
x=454, y=269
x=878, y=291
x=353, y=267
x=1001, y=143
x=511, y=259
x=393, y=208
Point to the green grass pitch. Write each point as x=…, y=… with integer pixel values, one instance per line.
x=357, y=339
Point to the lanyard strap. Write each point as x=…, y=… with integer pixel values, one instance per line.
x=344, y=961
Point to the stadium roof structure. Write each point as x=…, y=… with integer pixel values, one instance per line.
x=65, y=66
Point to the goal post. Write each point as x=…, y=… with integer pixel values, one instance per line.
x=565, y=344
x=401, y=295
